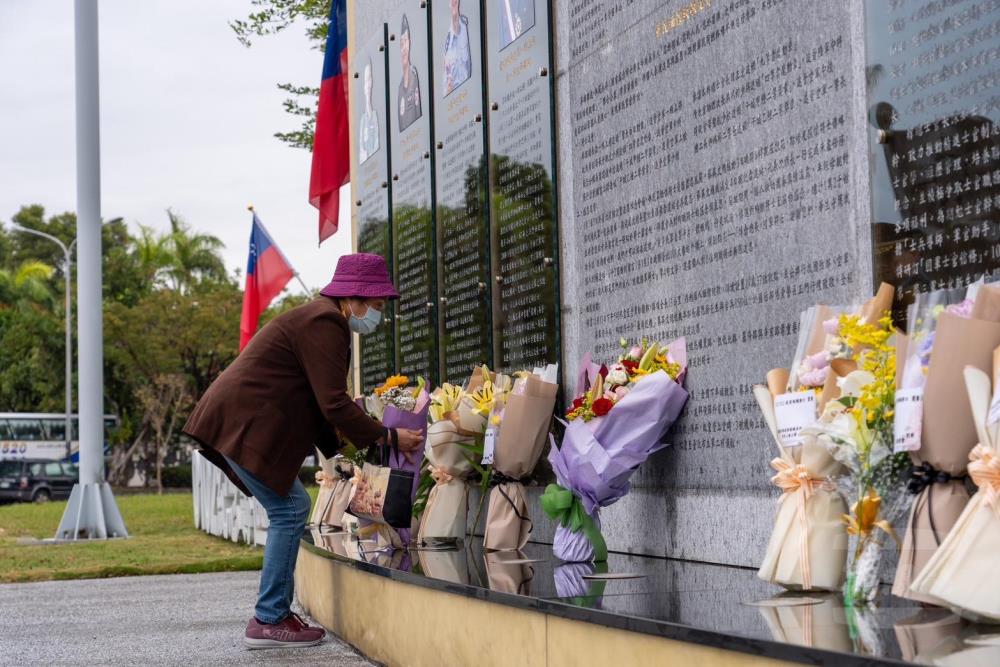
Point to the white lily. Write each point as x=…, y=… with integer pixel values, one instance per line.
x=854, y=383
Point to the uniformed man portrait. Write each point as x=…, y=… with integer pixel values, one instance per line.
x=516, y=18
x=408, y=95
x=368, y=140
x=457, y=53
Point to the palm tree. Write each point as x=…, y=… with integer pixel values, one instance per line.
x=194, y=257
x=27, y=284
x=154, y=255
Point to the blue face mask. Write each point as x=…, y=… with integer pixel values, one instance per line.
x=368, y=323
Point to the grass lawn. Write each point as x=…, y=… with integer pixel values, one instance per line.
x=162, y=540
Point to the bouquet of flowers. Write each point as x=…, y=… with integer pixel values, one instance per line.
x=397, y=405
x=518, y=424
x=857, y=427
x=335, y=493
x=942, y=432
x=808, y=547
x=960, y=574
x=454, y=442
x=614, y=425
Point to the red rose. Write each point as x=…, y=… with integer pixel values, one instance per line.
x=630, y=365
x=577, y=402
x=604, y=371
x=602, y=406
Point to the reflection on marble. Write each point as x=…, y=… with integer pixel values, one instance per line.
x=692, y=601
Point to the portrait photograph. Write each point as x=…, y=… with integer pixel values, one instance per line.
x=408, y=91
x=516, y=17
x=368, y=127
x=457, y=61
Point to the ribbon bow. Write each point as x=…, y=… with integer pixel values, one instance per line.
x=984, y=469
x=795, y=478
x=925, y=474
x=441, y=475
x=796, y=481
x=564, y=507
x=324, y=479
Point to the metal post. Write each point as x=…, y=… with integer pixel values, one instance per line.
x=69, y=328
x=69, y=359
x=91, y=511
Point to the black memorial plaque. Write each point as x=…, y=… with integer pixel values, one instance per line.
x=522, y=189
x=934, y=102
x=412, y=192
x=369, y=111
x=463, y=227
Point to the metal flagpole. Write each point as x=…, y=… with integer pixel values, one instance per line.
x=276, y=247
x=91, y=512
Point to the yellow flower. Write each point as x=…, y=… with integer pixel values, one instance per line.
x=392, y=382
x=864, y=514
x=482, y=399
x=445, y=399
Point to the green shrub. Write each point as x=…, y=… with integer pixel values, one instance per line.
x=177, y=477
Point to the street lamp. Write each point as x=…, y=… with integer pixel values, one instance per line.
x=68, y=260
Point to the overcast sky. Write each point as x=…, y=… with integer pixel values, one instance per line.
x=187, y=118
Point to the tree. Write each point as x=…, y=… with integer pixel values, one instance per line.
x=192, y=257
x=272, y=17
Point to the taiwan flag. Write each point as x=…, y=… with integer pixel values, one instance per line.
x=331, y=163
x=267, y=274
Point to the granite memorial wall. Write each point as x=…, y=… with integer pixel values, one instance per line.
x=723, y=164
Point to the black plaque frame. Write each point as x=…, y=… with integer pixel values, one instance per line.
x=934, y=136
x=412, y=138
x=372, y=166
x=459, y=114
x=538, y=69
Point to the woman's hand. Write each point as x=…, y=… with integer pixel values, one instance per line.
x=410, y=442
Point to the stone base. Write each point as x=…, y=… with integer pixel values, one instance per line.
x=397, y=623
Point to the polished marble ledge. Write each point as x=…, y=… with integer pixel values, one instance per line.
x=712, y=605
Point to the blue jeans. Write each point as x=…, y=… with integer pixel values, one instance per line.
x=287, y=516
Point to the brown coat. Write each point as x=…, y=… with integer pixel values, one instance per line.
x=285, y=392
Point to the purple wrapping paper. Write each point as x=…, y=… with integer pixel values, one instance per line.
x=573, y=547
x=393, y=417
x=569, y=579
x=596, y=460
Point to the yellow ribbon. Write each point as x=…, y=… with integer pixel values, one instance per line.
x=796, y=481
x=441, y=475
x=984, y=469
x=324, y=479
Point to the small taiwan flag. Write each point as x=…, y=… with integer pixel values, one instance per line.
x=267, y=274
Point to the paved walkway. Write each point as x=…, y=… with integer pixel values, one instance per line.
x=164, y=620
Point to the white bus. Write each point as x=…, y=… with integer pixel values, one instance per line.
x=42, y=435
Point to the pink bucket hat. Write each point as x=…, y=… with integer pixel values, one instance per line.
x=361, y=275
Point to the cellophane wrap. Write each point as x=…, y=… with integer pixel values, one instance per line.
x=597, y=459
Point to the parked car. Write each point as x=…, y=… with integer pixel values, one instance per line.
x=37, y=481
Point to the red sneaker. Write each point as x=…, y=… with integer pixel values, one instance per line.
x=289, y=633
